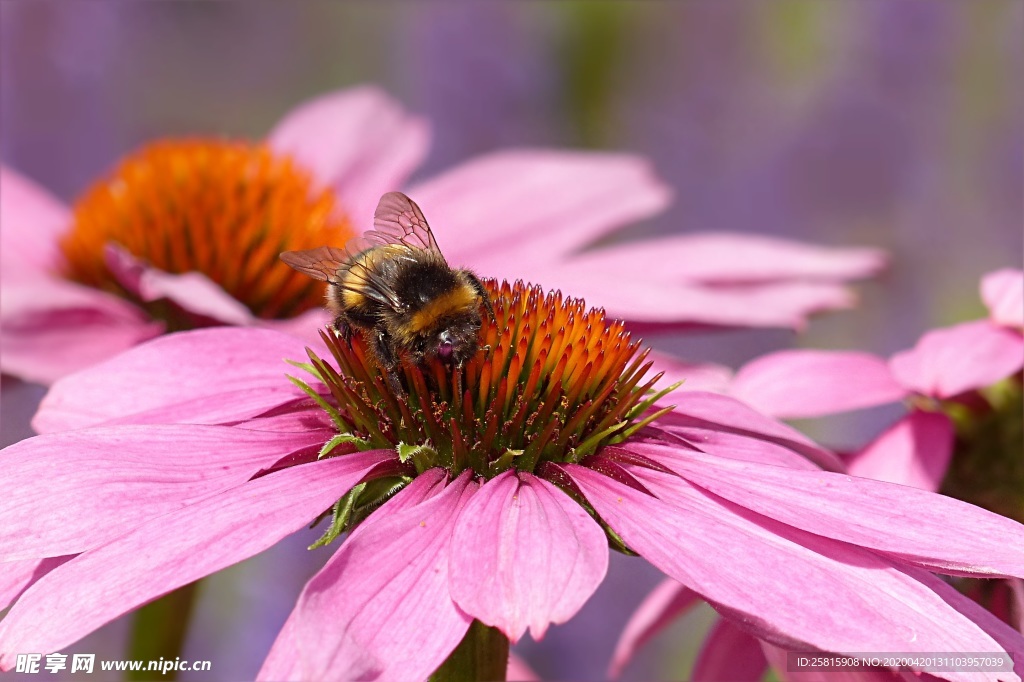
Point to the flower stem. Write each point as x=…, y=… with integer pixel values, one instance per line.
x=159, y=629
x=481, y=655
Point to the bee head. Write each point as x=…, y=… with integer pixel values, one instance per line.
x=453, y=342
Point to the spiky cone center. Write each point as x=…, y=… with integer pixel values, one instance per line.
x=552, y=381
x=223, y=208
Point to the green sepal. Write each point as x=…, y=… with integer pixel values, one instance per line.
x=377, y=492
x=423, y=456
x=342, y=511
x=343, y=438
x=619, y=437
x=307, y=367
x=642, y=407
x=615, y=541
x=318, y=399
x=589, y=446
x=504, y=462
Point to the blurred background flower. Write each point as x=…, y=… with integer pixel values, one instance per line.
x=886, y=123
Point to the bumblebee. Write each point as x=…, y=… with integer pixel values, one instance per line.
x=396, y=289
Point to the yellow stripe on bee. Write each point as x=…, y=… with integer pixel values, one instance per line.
x=362, y=266
x=458, y=298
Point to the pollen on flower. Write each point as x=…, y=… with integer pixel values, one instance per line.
x=552, y=382
x=222, y=208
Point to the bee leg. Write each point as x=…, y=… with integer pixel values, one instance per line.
x=478, y=286
x=388, y=362
x=344, y=329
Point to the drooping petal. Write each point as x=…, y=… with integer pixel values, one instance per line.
x=525, y=555
x=32, y=220
x=359, y=141
x=173, y=550
x=386, y=590
x=51, y=327
x=949, y=361
x=787, y=586
x=17, y=576
x=68, y=492
x=197, y=294
x=726, y=427
x=771, y=304
x=512, y=207
x=1003, y=294
x=220, y=375
x=914, y=451
x=726, y=258
x=666, y=602
x=795, y=384
x=191, y=291
x=703, y=376
x=285, y=661
x=1009, y=639
x=938, y=532
x=729, y=653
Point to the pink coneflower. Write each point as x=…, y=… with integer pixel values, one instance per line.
x=954, y=379
x=478, y=506
x=185, y=234
x=962, y=434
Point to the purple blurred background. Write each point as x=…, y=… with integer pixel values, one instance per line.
x=888, y=123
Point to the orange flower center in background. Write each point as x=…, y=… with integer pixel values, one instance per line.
x=225, y=209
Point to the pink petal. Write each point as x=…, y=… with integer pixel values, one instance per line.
x=934, y=531
x=525, y=555
x=50, y=328
x=173, y=550
x=1008, y=638
x=195, y=293
x=784, y=585
x=499, y=211
x=306, y=326
x=726, y=427
x=949, y=361
x=795, y=384
x=729, y=653
x=1003, y=293
x=914, y=451
x=17, y=576
x=67, y=492
x=32, y=220
x=667, y=602
x=706, y=376
x=725, y=258
x=220, y=375
x=359, y=141
x=399, y=613
x=285, y=662
x=782, y=304
x=519, y=671
x=192, y=291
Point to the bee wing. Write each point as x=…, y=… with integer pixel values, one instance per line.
x=364, y=279
x=325, y=263
x=398, y=220
x=341, y=268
